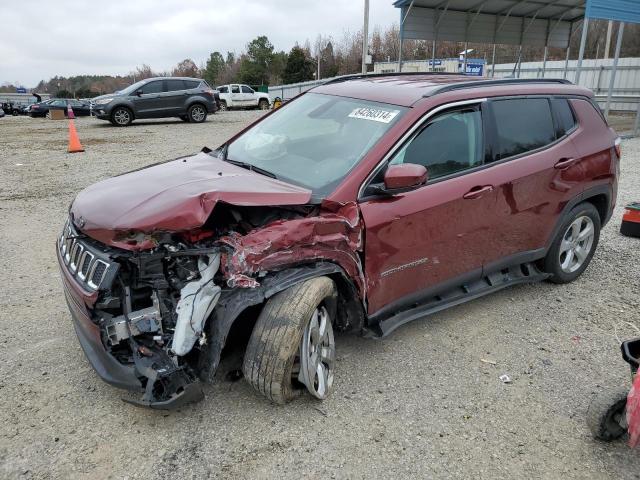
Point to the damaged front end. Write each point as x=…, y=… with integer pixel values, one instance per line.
x=153, y=317
x=149, y=308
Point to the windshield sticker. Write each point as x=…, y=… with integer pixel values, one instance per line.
x=375, y=114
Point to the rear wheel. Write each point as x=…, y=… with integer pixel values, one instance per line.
x=121, y=117
x=606, y=415
x=292, y=344
x=197, y=113
x=574, y=245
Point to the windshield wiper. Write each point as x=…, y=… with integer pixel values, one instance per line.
x=251, y=167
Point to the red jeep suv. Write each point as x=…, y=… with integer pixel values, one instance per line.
x=363, y=204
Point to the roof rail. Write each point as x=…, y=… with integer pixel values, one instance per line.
x=490, y=83
x=359, y=76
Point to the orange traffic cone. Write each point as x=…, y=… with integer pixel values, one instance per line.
x=70, y=114
x=74, y=141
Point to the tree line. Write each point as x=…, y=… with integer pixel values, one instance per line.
x=260, y=63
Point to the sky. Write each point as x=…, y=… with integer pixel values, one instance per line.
x=44, y=38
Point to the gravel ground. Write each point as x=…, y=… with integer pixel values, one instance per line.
x=419, y=403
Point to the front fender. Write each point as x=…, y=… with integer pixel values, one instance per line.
x=233, y=302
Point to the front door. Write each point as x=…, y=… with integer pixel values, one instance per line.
x=147, y=103
x=249, y=97
x=435, y=235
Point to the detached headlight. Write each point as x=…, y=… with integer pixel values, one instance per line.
x=104, y=101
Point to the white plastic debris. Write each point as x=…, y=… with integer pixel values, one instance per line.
x=197, y=301
x=505, y=378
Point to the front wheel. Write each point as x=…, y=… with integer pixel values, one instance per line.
x=121, y=117
x=574, y=245
x=606, y=416
x=223, y=106
x=263, y=104
x=292, y=345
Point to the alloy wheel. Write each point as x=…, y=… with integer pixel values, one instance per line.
x=576, y=244
x=317, y=354
x=197, y=113
x=122, y=117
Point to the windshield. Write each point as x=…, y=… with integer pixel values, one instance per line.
x=132, y=88
x=316, y=140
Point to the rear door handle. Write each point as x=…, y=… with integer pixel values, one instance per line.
x=478, y=191
x=564, y=163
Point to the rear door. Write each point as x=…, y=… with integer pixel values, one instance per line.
x=148, y=103
x=235, y=96
x=174, y=98
x=434, y=236
x=535, y=172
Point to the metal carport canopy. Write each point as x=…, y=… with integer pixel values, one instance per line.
x=514, y=22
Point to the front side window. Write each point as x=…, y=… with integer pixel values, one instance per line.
x=522, y=125
x=152, y=87
x=246, y=89
x=223, y=89
x=315, y=140
x=449, y=143
x=235, y=89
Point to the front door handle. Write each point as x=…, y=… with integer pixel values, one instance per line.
x=564, y=163
x=478, y=191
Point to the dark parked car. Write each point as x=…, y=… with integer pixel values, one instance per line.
x=1, y=113
x=11, y=108
x=42, y=109
x=190, y=99
x=362, y=204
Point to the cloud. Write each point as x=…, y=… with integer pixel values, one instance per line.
x=73, y=37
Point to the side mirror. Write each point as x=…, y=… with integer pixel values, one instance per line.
x=404, y=177
x=138, y=92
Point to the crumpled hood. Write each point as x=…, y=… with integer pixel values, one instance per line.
x=175, y=196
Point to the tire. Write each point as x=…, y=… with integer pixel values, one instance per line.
x=603, y=415
x=263, y=104
x=275, y=343
x=569, y=256
x=184, y=118
x=223, y=106
x=197, y=113
x=121, y=117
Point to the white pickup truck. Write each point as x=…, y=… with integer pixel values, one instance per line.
x=242, y=96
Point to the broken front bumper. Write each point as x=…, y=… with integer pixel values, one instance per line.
x=105, y=364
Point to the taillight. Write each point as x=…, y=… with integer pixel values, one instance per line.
x=34, y=107
x=210, y=91
x=617, y=147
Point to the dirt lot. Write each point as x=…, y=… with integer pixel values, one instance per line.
x=417, y=404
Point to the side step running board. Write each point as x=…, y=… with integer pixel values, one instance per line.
x=523, y=273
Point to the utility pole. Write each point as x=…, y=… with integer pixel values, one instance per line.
x=365, y=37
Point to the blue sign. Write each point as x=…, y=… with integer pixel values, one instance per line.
x=474, y=69
x=437, y=62
x=21, y=90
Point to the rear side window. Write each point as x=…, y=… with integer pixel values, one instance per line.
x=188, y=84
x=152, y=87
x=522, y=125
x=175, y=85
x=246, y=89
x=564, y=116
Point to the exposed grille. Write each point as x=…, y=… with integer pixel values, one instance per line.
x=80, y=260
